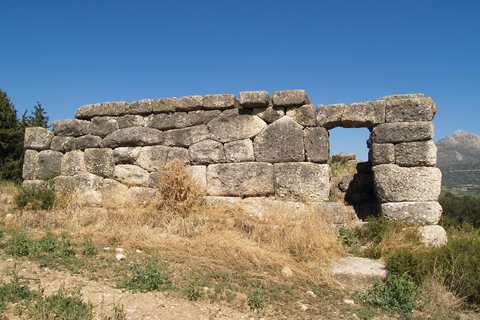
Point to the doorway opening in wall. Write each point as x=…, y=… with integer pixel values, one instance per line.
x=352, y=180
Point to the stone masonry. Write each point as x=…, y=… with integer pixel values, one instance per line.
x=252, y=146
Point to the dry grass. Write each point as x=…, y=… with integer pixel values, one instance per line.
x=438, y=300
x=8, y=190
x=182, y=226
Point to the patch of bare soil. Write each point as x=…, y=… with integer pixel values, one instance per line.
x=104, y=296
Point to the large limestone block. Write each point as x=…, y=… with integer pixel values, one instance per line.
x=114, y=108
x=408, y=108
x=131, y=120
x=433, y=236
x=103, y=126
x=187, y=136
x=199, y=175
x=73, y=163
x=131, y=175
x=235, y=124
x=240, y=179
x=363, y=114
x=88, y=141
x=86, y=186
x=302, y=180
x=399, y=184
x=358, y=272
x=289, y=98
x=281, y=141
x=126, y=155
x=100, y=162
x=419, y=213
x=113, y=193
x=62, y=144
x=177, y=154
x=316, y=144
x=153, y=158
x=49, y=164
x=147, y=106
x=166, y=121
x=304, y=115
x=254, y=99
x=219, y=101
x=402, y=132
x=412, y=154
x=239, y=151
x=329, y=116
x=37, y=138
x=269, y=114
x=206, y=152
x=133, y=137
x=190, y=103
x=382, y=153
x=140, y=195
x=71, y=127
x=30, y=165
x=164, y=105
x=198, y=117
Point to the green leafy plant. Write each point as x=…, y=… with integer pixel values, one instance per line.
x=19, y=245
x=256, y=299
x=192, y=291
x=35, y=198
x=88, y=248
x=147, y=275
x=14, y=292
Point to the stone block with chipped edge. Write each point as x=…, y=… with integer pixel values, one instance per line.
x=114, y=108
x=269, y=114
x=363, y=114
x=30, y=165
x=131, y=120
x=206, y=152
x=49, y=164
x=100, y=161
x=88, y=141
x=289, y=98
x=419, y=213
x=329, y=116
x=358, y=272
x=37, y=138
x=382, y=153
x=410, y=109
x=153, y=158
x=103, y=126
x=239, y=151
x=413, y=154
x=190, y=103
x=126, y=155
x=167, y=121
x=402, y=132
x=71, y=127
x=303, y=115
x=131, y=175
x=198, y=117
x=219, y=101
x=254, y=99
x=177, y=154
x=433, y=236
x=73, y=163
x=186, y=137
x=235, y=124
x=133, y=137
x=316, y=144
x=62, y=144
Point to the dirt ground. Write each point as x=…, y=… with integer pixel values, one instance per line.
x=104, y=295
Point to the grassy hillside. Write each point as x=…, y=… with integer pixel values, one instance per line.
x=461, y=179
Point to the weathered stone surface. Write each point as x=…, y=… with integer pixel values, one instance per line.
x=166, y=121
x=239, y=151
x=254, y=99
x=164, y=105
x=131, y=120
x=269, y=114
x=206, y=152
x=153, y=158
x=334, y=212
x=131, y=175
x=177, y=154
x=356, y=183
x=345, y=156
x=219, y=101
x=408, y=108
x=329, y=116
x=190, y=103
x=37, y=138
x=115, y=108
x=62, y=144
x=280, y=141
x=186, y=136
x=73, y=163
x=235, y=124
x=289, y=98
x=411, y=154
x=398, y=184
x=71, y=127
x=113, y=193
x=103, y=126
x=133, y=137
x=302, y=180
x=30, y=166
x=199, y=175
x=35, y=185
x=420, y=213
x=88, y=141
x=304, y=115
x=126, y=155
x=402, y=132
x=87, y=187
x=49, y=164
x=240, y=179
x=100, y=162
x=433, y=236
x=197, y=117
x=358, y=272
x=382, y=153
x=140, y=195
x=144, y=106
x=316, y=144
x=363, y=114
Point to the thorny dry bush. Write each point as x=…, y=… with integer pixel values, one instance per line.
x=183, y=226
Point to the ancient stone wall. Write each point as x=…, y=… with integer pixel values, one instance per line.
x=252, y=146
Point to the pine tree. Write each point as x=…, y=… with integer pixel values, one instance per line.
x=11, y=140
x=37, y=118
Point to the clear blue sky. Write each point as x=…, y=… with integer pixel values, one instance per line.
x=69, y=53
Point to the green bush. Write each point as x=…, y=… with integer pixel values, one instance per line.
x=35, y=198
x=19, y=245
x=459, y=210
x=149, y=274
x=396, y=293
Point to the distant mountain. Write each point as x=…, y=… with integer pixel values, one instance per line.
x=460, y=147
x=458, y=158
